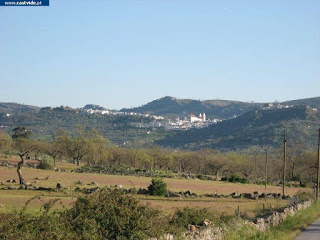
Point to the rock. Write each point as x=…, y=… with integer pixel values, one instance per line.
x=248, y=195
x=143, y=191
x=206, y=222
x=118, y=186
x=48, y=177
x=192, y=228
x=59, y=186
x=234, y=195
x=132, y=190
x=36, y=181
x=79, y=182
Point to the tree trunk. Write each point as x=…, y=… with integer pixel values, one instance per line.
x=20, y=164
x=78, y=162
x=54, y=161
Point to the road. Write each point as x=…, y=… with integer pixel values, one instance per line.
x=310, y=233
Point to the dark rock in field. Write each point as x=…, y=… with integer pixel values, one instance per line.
x=248, y=195
x=188, y=193
x=118, y=186
x=173, y=194
x=11, y=181
x=262, y=195
x=143, y=191
x=92, y=183
x=276, y=195
x=77, y=189
x=132, y=190
x=209, y=195
x=59, y=186
x=46, y=189
x=48, y=177
x=79, y=182
x=12, y=188
x=286, y=197
x=90, y=190
x=270, y=196
x=234, y=195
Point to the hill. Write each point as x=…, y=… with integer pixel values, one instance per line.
x=45, y=122
x=257, y=127
x=311, y=102
x=14, y=108
x=222, y=109
x=172, y=107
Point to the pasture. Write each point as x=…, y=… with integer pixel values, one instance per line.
x=16, y=199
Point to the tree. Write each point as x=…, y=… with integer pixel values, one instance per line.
x=21, y=132
x=158, y=187
x=76, y=147
x=53, y=149
x=100, y=149
x=24, y=146
x=5, y=141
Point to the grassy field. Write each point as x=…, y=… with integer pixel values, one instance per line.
x=10, y=199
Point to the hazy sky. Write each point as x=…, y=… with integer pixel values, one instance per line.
x=119, y=53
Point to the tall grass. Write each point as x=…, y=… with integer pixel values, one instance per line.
x=287, y=230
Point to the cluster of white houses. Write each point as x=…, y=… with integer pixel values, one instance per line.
x=192, y=121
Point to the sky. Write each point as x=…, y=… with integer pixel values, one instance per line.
x=125, y=53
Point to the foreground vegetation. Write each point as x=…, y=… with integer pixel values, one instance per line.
x=113, y=215
x=287, y=230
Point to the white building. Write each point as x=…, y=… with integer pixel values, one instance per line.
x=200, y=118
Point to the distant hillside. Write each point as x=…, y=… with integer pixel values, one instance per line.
x=311, y=102
x=45, y=122
x=173, y=108
x=14, y=108
x=222, y=109
x=257, y=127
x=93, y=107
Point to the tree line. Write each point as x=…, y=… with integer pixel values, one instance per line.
x=92, y=148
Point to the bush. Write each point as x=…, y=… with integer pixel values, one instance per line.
x=234, y=178
x=304, y=196
x=102, y=215
x=45, y=164
x=186, y=216
x=158, y=187
x=114, y=216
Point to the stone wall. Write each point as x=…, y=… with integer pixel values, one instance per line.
x=276, y=217
x=261, y=223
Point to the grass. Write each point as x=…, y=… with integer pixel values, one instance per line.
x=287, y=230
x=16, y=198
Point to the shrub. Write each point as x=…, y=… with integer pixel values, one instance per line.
x=158, y=187
x=45, y=164
x=114, y=215
x=184, y=217
x=102, y=215
x=234, y=178
x=304, y=196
